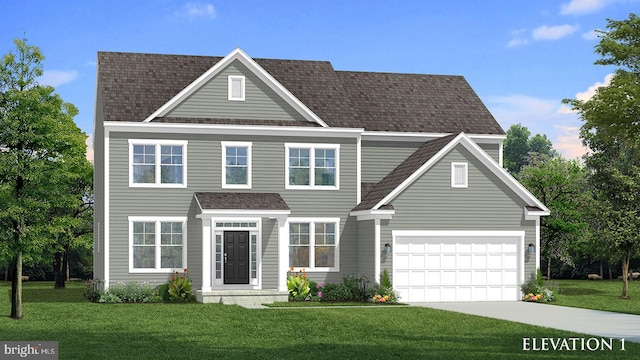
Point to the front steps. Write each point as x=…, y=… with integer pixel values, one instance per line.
x=241, y=297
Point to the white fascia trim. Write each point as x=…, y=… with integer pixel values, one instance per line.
x=481, y=155
x=373, y=214
x=207, y=214
x=535, y=215
x=422, y=137
x=264, y=130
x=238, y=54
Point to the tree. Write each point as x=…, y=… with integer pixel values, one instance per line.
x=516, y=148
x=72, y=217
x=37, y=137
x=560, y=184
x=611, y=126
x=519, y=145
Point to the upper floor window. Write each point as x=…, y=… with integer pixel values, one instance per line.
x=459, y=174
x=157, y=163
x=236, y=165
x=312, y=166
x=236, y=87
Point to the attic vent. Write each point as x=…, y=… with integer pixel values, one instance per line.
x=236, y=88
x=459, y=174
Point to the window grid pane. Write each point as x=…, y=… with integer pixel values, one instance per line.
x=171, y=164
x=299, y=167
x=323, y=240
x=144, y=251
x=144, y=159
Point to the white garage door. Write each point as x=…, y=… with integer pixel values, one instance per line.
x=438, y=266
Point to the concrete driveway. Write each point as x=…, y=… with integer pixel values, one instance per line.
x=593, y=322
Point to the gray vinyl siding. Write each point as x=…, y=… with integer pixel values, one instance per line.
x=366, y=241
x=204, y=173
x=492, y=150
x=211, y=100
x=269, y=254
x=430, y=203
x=379, y=158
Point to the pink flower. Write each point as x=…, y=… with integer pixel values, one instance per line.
x=319, y=285
x=319, y=294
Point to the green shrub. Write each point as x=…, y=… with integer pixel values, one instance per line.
x=131, y=292
x=163, y=292
x=537, y=290
x=90, y=291
x=358, y=286
x=336, y=292
x=385, y=281
x=180, y=289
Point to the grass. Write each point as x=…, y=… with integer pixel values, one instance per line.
x=599, y=295
x=292, y=304
x=210, y=331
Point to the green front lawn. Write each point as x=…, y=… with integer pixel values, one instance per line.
x=599, y=295
x=197, y=331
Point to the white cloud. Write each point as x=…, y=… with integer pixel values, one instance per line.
x=590, y=35
x=56, y=78
x=545, y=32
x=568, y=142
x=519, y=38
x=89, y=142
x=579, y=7
x=587, y=94
x=540, y=116
x=197, y=10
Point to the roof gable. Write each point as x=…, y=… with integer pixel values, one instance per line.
x=384, y=192
x=251, y=65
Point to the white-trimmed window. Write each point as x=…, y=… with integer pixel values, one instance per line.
x=161, y=163
x=312, y=166
x=314, y=244
x=459, y=174
x=157, y=244
x=236, y=88
x=236, y=165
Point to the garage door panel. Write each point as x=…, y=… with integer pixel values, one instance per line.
x=433, y=261
x=464, y=261
x=448, y=261
x=479, y=262
x=457, y=268
x=417, y=261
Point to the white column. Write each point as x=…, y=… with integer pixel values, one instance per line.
x=376, y=250
x=206, y=255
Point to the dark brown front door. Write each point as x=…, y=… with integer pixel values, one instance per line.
x=236, y=257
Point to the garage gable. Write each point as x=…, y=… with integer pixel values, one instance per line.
x=425, y=158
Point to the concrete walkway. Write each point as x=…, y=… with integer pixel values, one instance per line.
x=592, y=322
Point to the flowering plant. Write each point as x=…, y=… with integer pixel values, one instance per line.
x=297, y=284
x=534, y=298
x=384, y=295
x=180, y=287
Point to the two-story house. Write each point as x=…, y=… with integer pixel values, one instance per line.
x=239, y=169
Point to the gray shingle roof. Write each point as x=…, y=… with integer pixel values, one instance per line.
x=410, y=165
x=240, y=201
x=132, y=86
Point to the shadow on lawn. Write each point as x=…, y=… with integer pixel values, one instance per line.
x=46, y=295
x=565, y=290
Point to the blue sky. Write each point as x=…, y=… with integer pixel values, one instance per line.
x=521, y=57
